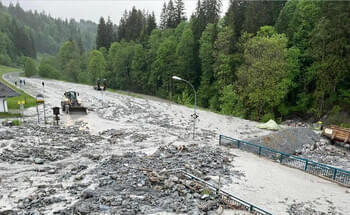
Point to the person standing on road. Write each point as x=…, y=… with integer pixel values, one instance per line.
x=104, y=84
x=43, y=84
x=24, y=82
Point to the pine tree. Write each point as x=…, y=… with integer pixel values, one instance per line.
x=164, y=17
x=132, y=26
x=101, y=34
x=171, y=21
x=180, y=11
x=122, y=26
x=109, y=33
x=150, y=23
x=206, y=55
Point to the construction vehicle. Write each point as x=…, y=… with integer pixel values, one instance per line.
x=70, y=103
x=336, y=133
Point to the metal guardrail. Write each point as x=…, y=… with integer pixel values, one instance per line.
x=334, y=174
x=227, y=196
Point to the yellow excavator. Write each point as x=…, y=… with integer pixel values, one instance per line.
x=70, y=103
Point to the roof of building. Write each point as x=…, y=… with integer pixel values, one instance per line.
x=6, y=91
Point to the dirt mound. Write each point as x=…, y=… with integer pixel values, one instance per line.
x=289, y=140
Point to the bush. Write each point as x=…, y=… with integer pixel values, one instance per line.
x=267, y=117
x=29, y=67
x=48, y=71
x=83, y=77
x=16, y=122
x=184, y=99
x=214, y=103
x=5, y=60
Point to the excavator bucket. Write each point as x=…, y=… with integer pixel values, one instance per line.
x=77, y=109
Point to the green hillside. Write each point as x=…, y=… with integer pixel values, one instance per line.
x=28, y=33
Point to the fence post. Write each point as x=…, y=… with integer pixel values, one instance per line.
x=259, y=150
x=307, y=162
x=335, y=174
x=281, y=158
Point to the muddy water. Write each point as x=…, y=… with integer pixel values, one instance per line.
x=143, y=125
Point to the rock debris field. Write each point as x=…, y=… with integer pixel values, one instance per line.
x=123, y=157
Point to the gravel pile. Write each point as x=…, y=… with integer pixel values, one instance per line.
x=287, y=140
x=305, y=143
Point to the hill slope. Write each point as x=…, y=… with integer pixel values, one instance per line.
x=26, y=33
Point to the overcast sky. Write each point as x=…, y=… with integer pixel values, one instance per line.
x=94, y=9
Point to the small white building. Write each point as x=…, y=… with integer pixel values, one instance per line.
x=5, y=92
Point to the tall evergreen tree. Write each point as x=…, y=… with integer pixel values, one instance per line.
x=110, y=35
x=164, y=17
x=206, y=54
x=180, y=11
x=101, y=34
x=171, y=15
x=132, y=26
x=150, y=23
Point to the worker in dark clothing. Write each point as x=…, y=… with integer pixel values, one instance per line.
x=20, y=82
x=24, y=82
x=104, y=84
x=98, y=83
x=43, y=84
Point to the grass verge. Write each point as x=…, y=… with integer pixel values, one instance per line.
x=9, y=115
x=12, y=102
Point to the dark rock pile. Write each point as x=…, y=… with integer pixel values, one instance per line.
x=324, y=152
x=139, y=184
x=31, y=143
x=307, y=208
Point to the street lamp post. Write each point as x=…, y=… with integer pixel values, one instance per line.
x=195, y=102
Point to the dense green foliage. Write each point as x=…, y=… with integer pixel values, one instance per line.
x=28, y=33
x=263, y=59
x=29, y=67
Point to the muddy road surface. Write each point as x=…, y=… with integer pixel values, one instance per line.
x=121, y=158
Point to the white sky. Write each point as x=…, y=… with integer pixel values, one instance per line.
x=94, y=9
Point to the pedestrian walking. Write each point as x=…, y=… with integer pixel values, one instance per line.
x=24, y=82
x=20, y=82
x=43, y=84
